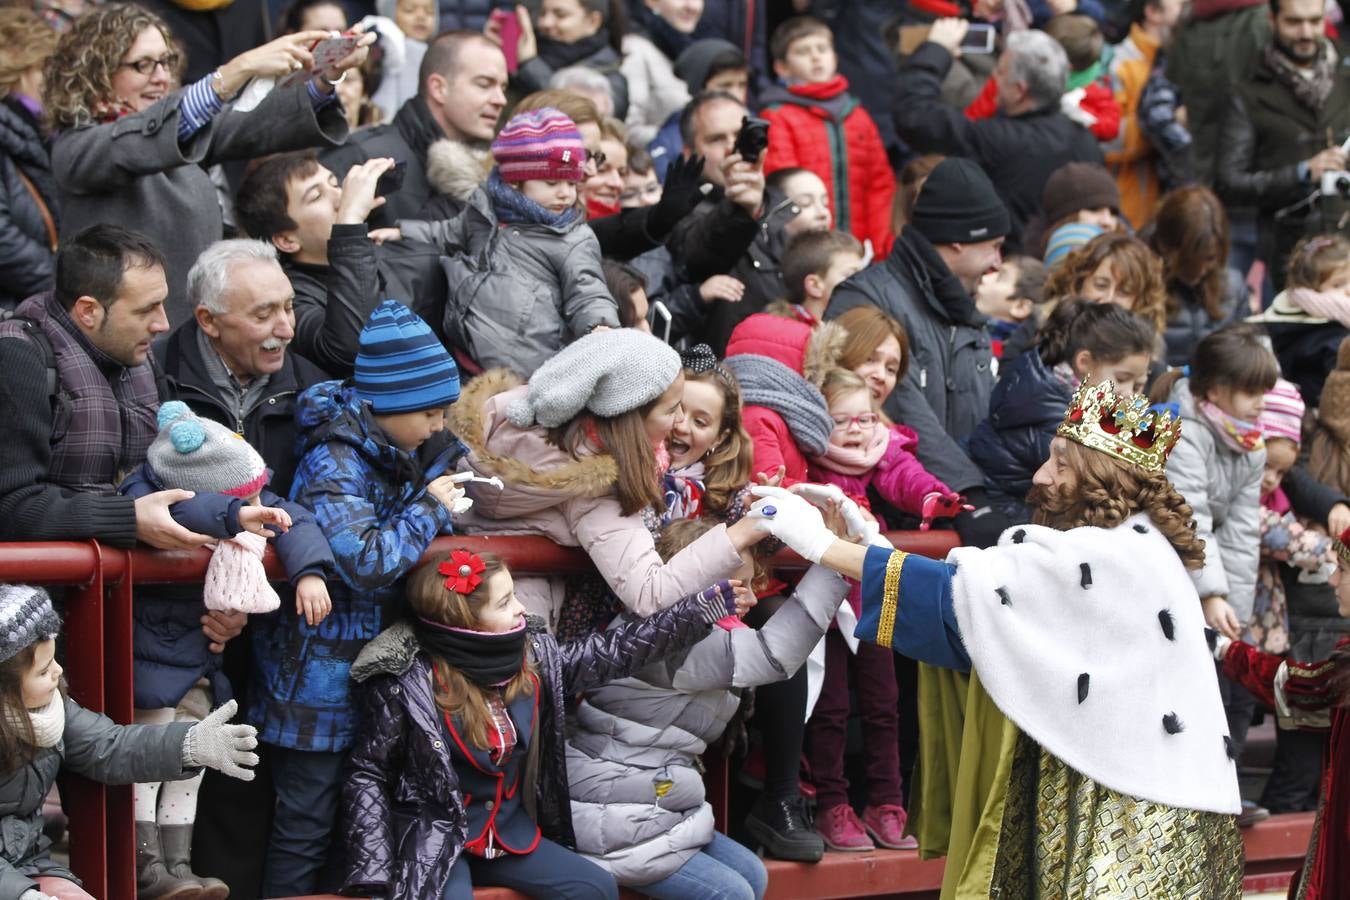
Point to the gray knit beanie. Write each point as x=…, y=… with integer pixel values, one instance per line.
x=605, y=372
x=26, y=617
x=195, y=454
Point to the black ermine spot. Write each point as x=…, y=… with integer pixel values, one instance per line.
x=1019, y=535
x=1140, y=528
x=1172, y=724
x=1082, y=687
x=1003, y=596
x=1087, y=575
x=1169, y=627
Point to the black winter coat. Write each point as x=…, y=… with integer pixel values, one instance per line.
x=1018, y=153
x=1025, y=408
x=270, y=428
x=1191, y=324
x=405, y=139
x=401, y=800
x=26, y=257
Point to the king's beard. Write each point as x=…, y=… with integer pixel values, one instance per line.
x=1052, y=507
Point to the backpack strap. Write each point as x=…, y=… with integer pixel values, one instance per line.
x=38, y=337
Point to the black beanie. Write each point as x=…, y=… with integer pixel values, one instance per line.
x=958, y=205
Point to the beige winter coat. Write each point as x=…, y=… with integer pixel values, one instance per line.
x=571, y=501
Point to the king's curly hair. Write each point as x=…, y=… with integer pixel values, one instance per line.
x=79, y=74
x=1109, y=492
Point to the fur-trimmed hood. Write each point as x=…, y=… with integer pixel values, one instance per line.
x=457, y=169
x=538, y=475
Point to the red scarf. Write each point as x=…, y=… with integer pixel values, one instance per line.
x=823, y=90
x=597, y=210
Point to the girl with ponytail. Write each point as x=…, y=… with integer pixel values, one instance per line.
x=1080, y=339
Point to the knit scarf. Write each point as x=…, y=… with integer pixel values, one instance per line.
x=664, y=36
x=1324, y=304
x=1311, y=92
x=487, y=658
x=49, y=723
x=823, y=90
x=235, y=578
x=767, y=382
x=848, y=461
x=1240, y=436
x=913, y=249
x=514, y=208
x=559, y=55
x=598, y=210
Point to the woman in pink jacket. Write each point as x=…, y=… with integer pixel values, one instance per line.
x=581, y=452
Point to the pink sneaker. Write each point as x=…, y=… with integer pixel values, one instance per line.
x=886, y=825
x=841, y=829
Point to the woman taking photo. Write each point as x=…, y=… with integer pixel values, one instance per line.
x=133, y=145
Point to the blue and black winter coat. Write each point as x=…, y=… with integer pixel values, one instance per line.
x=171, y=653
x=1025, y=408
x=370, y=499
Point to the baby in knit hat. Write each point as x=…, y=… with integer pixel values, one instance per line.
x=177, y=676
x=524, y=269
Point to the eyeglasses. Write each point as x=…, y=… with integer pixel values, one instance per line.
x=866, y=420
x=147, y=65
x=595, y=161
x=650, y=189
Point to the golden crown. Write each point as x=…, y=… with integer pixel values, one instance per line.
x=1124, y=427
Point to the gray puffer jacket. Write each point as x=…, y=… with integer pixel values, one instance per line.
x=97, y=748
x=1223, y=488
x=517, y=293
x=638, y=805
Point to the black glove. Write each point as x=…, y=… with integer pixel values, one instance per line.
x=679, y=195
x=981, y=526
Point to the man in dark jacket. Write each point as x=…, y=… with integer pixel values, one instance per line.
x=1281, y=131
x=954, y=237
x=339, y=274
x=1022, y=146
x=230, y=363
x=461, y=94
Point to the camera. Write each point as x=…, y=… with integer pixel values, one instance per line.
x=1336, y=184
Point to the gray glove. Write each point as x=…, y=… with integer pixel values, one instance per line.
x=216, y=744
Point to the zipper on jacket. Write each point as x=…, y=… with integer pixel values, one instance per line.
x=839, y=165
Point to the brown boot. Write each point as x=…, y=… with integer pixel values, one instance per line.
x=153, y=881
x=176, y=841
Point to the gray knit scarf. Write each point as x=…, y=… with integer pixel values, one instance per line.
x=1310, y=90
x=767, y=382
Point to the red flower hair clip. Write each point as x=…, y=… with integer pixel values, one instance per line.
x=463, y=571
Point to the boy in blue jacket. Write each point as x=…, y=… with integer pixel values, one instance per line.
x=374, y=469
x=177, y=674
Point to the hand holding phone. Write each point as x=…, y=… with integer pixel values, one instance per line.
x=752, y=139
x=507, y=28
x=391, y=180
x=979, y=38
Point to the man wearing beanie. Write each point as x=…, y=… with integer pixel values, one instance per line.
x=927, y=283
x=380, y=490
x=1020, y=147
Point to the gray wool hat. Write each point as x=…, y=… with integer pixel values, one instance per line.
x=195, y=454
x=26, y=617
x=605, y=372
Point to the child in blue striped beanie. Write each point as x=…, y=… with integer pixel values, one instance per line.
x=374, y=468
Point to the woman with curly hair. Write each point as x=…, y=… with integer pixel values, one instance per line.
x=27, y=192
x=132, y=145
x=1072, y=735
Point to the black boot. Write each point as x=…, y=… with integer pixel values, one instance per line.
x=153, y=881
x=176, y=842
x=780, y=825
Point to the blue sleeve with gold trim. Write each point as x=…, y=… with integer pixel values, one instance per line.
x=907, y=606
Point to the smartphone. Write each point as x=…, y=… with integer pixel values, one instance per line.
x=510, y=32
x=391, y=180
x=979, y=38
x=327, y=53
x=753, y=138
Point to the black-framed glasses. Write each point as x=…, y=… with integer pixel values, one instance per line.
x=146, y=66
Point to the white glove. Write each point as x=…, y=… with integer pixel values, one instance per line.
x=792, y=520
x=826, y=495
x=35, y=894
x=216, y=744
x=1221, y=645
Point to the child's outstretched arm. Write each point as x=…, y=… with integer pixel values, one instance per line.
x=632, y=644
x=586, y=301
x=900, y=478
x=102, y=750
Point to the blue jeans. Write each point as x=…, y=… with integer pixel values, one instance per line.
x=307, y=786
x=723, y=870
x=550, y=871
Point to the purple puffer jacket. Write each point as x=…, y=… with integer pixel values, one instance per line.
x=404, y=814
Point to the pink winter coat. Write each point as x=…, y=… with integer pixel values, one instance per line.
x=899, y=477
x=572, y=502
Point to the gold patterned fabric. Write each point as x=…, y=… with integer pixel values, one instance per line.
x=1065, y=836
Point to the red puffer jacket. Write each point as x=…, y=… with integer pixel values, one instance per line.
x=821, y=127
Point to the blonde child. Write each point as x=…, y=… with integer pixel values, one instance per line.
x=1318, y=278
x=472, y=693
x=523, y=267
x=45, y=731
x=863, y=454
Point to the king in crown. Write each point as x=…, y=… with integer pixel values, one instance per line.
x=1127, y=428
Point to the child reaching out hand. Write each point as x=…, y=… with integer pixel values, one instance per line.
x=45, y=731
